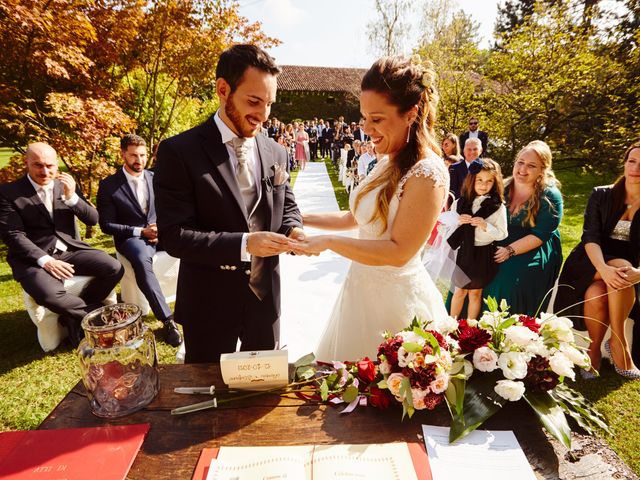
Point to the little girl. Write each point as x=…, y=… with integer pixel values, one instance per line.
x=483, y=221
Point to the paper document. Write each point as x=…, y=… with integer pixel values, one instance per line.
x=391, y=461
x=483, y=454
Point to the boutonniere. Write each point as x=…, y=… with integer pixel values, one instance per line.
x=280, y=175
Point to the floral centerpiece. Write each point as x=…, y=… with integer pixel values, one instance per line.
x=475, y=367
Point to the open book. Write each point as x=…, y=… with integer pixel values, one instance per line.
x=392, y=461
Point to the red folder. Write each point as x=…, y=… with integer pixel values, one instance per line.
x=102, y=453
x=417, y=451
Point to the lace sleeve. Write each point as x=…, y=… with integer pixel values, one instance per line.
x=432, y=167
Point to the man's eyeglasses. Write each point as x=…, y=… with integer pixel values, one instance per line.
x=473, y=123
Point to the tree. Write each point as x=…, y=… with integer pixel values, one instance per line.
x=556, y=85
x=386, y=32
x=450, y=43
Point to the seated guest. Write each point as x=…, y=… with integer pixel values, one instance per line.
x=368, y=156
x=602, y=268
x=530, y=257
x=127, y=211
x=458, y=171
x=37, y=223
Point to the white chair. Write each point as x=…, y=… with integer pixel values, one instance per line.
x=50, y=332
x=166, y=269
x=582, y=337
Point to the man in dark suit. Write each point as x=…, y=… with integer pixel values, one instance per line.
x=225, y=208
x=358, y=133
x=38, y=224
x=458, y=171
x=126, y=204
x=473, y=132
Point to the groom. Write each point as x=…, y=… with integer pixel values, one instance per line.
x=225, y=208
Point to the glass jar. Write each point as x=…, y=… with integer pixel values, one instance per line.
x=118, y=360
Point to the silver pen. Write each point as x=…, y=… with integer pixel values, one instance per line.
x=195, y=407
x=195, y=390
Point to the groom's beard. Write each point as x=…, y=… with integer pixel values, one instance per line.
x=242, y=126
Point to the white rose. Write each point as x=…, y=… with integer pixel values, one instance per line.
x=385, y=367
x=578, y=357
x=485, y=359
x=444, y=325
x=509, y=390
x=513, y=365
x=411, y=337
x=561, y=365
x=394, y=382
x=560, y=327
x=519, y=335
x=537, y=348
x=440, y=383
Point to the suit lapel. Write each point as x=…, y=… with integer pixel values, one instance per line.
x=219, y=156
x=57, y=198
x=151, y=212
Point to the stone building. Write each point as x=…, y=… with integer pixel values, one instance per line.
x=323, y=92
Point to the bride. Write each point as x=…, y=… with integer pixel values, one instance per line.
x=394, y=208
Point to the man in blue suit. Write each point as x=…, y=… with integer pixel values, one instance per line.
x=126, y=205
x=458, y=171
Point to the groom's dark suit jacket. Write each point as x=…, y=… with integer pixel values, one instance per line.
x=201, y=220
x=29, y=231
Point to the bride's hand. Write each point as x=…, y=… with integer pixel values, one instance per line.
x=312, y=245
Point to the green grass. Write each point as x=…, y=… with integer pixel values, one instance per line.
x=341, y=193
x=32, y=382
x=5, y=155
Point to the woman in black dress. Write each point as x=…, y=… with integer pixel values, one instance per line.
x=604, y=266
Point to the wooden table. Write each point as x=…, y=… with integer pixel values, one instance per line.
x=173, y=445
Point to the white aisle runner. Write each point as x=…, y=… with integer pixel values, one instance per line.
x=310, y=285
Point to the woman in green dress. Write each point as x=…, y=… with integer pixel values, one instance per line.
x=531, y=256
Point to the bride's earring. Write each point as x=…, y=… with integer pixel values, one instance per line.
x=409, y=134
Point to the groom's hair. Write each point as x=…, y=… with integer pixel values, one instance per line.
x=235, y=61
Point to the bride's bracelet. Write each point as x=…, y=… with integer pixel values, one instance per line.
x=511, y=251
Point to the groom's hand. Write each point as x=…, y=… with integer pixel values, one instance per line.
x=267, y=244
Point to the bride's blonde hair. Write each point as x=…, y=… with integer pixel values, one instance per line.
x=406, y=84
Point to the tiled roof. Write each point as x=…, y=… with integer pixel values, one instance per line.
x=320, y=79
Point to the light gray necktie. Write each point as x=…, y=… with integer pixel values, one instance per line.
x=141, y=193
x=244, y=173
x=45, y=196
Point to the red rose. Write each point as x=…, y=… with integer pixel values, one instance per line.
x=366, y=369
x=379, y=398
x=529, y=322
x=471, y=338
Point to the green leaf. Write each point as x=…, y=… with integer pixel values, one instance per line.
x=350, y=394
x=480, y=402
x=504, y=306
x=383, y=383
x=551, y=416
x=412, y=347
x=454, y=394
x=580, y=409
x=507, y=323
x=305, y=360
x=305, y=372
x=324, y=390
x=492, y=304
x=407, y=402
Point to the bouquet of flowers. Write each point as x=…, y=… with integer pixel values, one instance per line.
x=511, y=356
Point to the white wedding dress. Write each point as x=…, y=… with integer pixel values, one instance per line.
x=386, y=298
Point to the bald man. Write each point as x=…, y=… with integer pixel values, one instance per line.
x=38, y=224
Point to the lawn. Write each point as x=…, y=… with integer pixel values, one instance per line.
x=32, y=382
x=5, y=155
